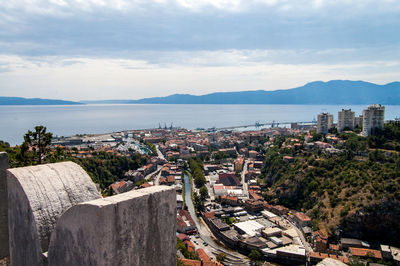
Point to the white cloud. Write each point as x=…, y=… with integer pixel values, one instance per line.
x=57, y=7
x=91, y=78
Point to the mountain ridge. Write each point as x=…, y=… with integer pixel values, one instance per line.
x=316, y=92
x=34, y=101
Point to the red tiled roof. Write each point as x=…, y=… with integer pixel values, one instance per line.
x=232, y=198
x=183, y=237
x=365, y=252
x=118, y=184
x=254, y=195
x=188, y=262
x=302, y=217
x=202, y=255
x=228, y=179
x=321, y=256
x=320, y=234
x=333, y=247
x=190, y=246
x=144, y=185
x=209, y=215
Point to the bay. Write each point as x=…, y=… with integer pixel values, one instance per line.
x=63, y=120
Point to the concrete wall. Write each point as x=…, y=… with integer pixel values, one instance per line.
x=39, y=196
x=3, y=206
x=133, y=228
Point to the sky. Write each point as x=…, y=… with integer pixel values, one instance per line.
x=120, y=49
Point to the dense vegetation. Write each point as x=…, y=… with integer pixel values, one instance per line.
x=337, y=189
x=184, y=250
x=196, y=171
x=103, y=168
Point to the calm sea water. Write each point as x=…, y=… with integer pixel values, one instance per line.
x=15, y=121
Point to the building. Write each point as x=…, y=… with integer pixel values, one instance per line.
x=302, y=219
x=345, y=120
x=373, y=118
x=230, y=200
x=324, y=123
x=203, y=255
x=358, y=121
x=251, y=228
x=271, y=231
x=320, y=241
x=316, y=257
x=347, y=243
x=288, y=255
x=239, y=164
x=254, y=205
x=188, y=262
x=185, y=223
x=366, y=253
x=228, y=179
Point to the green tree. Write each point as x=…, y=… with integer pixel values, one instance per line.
x=255, y=255
x=203, y=193
x=39, y=140
x=221, y=257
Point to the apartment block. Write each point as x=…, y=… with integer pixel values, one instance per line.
x=324, y=123
x=345, y=120
x=373, y=118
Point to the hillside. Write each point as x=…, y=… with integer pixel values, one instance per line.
x=33, y=101
x=318, y=92
x=353, y=193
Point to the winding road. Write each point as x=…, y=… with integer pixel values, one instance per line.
x=205, y=234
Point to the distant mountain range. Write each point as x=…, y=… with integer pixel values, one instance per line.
x=318, y=92
x=33, y=101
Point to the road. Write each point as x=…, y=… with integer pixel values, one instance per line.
x=205, y=234
x=149, y=176
x=157, y=180
x=244, y=183
x=159, y=153
x=303, y=240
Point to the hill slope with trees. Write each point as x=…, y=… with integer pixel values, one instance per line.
x=353, y=193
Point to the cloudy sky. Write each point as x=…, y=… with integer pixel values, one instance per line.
x=130, y=49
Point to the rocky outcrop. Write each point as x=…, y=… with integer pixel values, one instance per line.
x=375, y=223
x=133, y=228
x=39, y=196
x=3, y=206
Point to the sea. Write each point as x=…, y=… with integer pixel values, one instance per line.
x=69, y=120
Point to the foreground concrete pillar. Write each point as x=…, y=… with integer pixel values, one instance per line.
x=38, y=196
x=132, y=228
x=3, y=206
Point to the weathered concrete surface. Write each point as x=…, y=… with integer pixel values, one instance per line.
x=133, y=228
x=39, y=195
x=3, y=206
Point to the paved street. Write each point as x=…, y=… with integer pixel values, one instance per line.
x=204, y=233
x=159, y=153
x=244, y=183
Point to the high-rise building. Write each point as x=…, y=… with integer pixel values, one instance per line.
x=373, y=118
x=358, y=121
x=324, y=123
x=345, y=120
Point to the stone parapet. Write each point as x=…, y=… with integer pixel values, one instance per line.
x=57, y=217
x=39, y=196
x=4, y=251
x=133, y=228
